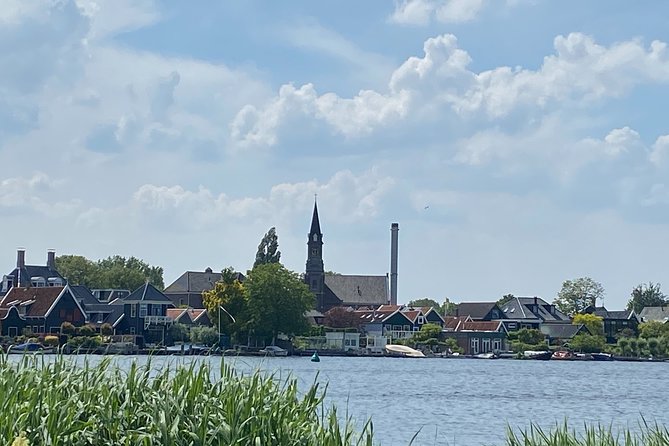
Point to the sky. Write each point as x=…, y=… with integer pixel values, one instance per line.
x=518, y=143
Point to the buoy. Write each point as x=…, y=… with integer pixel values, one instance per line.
x=315, y=358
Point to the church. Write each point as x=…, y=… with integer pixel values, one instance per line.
x=339, y=290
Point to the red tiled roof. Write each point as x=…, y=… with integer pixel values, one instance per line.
x=195, y=313
x=43, y=298
x=452, y=322
x=480, y=326
x=389, y=307
x=411, y=315
x=175, y=313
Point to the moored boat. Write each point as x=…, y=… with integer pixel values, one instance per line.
x=403, y=351
x=541, y=355
x=563, y=355
x=602, y=356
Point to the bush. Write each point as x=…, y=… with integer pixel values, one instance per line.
x=51, y=341
x=87, y=330
x=204, y=335
x=588, y=343
x=67, y=328
x=179, y=332
x=106, y=329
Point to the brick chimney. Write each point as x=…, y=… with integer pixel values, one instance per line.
x=20, y=258
x=51, y=259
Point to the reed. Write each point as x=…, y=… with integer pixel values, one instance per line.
x=562, y=435
x=47, y=401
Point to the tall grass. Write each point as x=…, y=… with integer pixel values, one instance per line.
x=561, y=435
x=59, y=402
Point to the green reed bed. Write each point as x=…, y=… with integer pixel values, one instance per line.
x=562, y=435
x=47, y=401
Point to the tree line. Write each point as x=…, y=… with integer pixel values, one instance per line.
x=115, y=272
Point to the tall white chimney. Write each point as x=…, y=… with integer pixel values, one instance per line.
x=394, y=232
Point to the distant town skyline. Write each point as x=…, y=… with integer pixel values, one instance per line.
x=518, y=143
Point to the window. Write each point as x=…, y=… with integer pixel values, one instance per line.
x=143, y=310
x=475, y=346
x=421, y=320
x=132, y=330
x=486, y=345
x=13, y=331
x=156, y=310
x=407, y=328
x=133, y=310
x=315, y=237
x=54, y=330
x=497, y=344
x=35, y=329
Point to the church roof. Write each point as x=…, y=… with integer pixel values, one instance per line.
x=359, y=290
x=315, y=223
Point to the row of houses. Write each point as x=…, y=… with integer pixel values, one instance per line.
x=38, y=299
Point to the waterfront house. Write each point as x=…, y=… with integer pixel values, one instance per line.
x=531, y=312
x=615, y=321
x=560, y=333
x=480, y=311
x=145, y=314
x=39, y=310
x=432, y=316
x=36, y=276
x=392, y=324
x=654, y=314
x=476, y=337
x=342, y=340
x=186, y=291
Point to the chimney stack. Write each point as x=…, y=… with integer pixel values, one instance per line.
x=20, y=258
x=394, y=232
x=51, y=259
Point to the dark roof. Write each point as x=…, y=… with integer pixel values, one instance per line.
x=146, y=293
x=621, y=315
x=660, y=314
x=38, y=300
x=84, y=295
x=562, y=331
x=477, y=310
x=480, y=326
x=522, y=308
x=197, y=282
x=358, y=290
x=30, y=271
x=315, y=222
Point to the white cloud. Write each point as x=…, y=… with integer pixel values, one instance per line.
x=35, y=194
x=420, y=12
x=659, y=155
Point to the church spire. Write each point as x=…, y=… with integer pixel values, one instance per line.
x=315, y=223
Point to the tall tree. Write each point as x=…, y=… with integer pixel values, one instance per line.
x=594, y=323
x=577, y=295
x=425, y=302
x=646, y=295
x=278, y=301
x=112, y=272
x=230, y=294
x=78, y=270
x=268, y=249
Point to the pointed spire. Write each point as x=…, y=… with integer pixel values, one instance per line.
x=315, y=223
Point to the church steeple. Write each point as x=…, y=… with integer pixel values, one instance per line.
x=315, y=271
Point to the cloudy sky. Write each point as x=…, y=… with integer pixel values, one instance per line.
x=519, y=143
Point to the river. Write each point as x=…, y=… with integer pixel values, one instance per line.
x=469, y=402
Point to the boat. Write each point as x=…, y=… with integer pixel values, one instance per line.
x=315, y=357
x=273, y=350
x=32, y=347
x=541, y=355
x=563, y=355
x=403, y=351
x=489, y=355
x=602, y=356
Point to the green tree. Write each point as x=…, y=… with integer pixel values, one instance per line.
x=579, y=294
x=588, y=343
x=427, y=331
x=594, y=323
x=129, y=274
x=653, y=329
x=268, y=249
x=646, y=295
x=179, y=332
x=530, y=336
x=78, y=270
x=106, y=329
x=504, y=299
x=231, y=294
x=204, y=335
x=278, y=301
x=424, y=302
x=452, y=345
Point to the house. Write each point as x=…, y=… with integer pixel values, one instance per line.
x=480, y=311
x=392, y=324
x=531, y=312
x=187, y=290
x=144, y=313
x=615, y=321
x=332, y=290
x=432, y=316
x=189, y=316
x=342, y=340
x=654, y=314
x=36, y=276
x=39, y=310
x=109, y=295
x=558, y=334
x=476, y=337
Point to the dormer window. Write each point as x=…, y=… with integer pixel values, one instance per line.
x=55, y=281
x=38, y=282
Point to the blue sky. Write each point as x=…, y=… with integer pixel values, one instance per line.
x=518, y=143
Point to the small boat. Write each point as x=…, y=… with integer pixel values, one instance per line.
x=541, y=355
x=273, y=350
x=563, y=355
x=315, y=357
x=602, y=357
x=403, y=351
x=489, y=355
